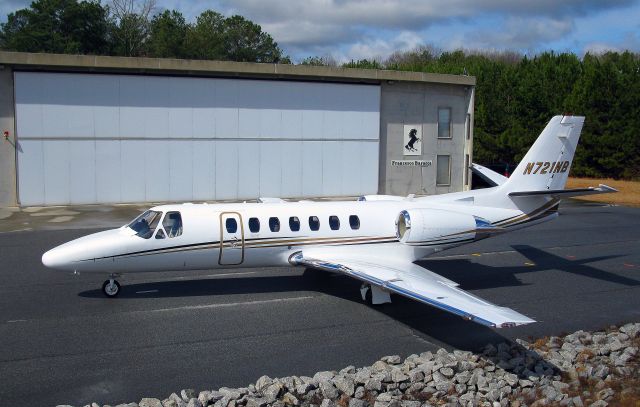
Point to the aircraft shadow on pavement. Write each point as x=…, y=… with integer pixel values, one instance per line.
x=474, y=276
x=436, y=325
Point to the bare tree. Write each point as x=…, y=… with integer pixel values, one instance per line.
x=131, y=20
x=420, y=55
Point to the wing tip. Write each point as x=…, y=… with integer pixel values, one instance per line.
x=606, y=188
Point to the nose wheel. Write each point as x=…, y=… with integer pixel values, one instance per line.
x=111, y=288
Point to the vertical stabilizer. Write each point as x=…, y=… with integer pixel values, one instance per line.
x=547, y=163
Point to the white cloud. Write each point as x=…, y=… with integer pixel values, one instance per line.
x=630, y=42
x=520, y=33
x=377, y=48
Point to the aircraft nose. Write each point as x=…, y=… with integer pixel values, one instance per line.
x=54, y=259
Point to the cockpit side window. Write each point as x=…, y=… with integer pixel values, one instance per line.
x=172, y=223
x=145, y=224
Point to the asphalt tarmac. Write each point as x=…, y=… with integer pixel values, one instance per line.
x=62, y=342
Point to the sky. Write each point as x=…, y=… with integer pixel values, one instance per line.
x=373, y=29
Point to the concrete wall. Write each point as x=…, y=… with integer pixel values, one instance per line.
x=7, y=147
x=417, y=104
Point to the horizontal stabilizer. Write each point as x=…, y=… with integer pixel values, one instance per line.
x=566, y=193
x=489, y=176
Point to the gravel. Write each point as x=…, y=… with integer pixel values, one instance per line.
x=580, y=369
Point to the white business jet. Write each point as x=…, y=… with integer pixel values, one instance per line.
x=375, y=239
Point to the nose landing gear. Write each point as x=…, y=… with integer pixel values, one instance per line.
x=111, y=287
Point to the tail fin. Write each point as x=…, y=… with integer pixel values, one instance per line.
x=547, y=163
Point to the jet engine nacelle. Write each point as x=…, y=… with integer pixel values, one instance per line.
x=437, y=226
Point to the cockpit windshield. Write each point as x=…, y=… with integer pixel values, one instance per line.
x=145, y=224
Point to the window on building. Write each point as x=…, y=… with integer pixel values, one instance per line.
x=468, y=126
x=314, y=223
x=172, y=223
x=334, y=222
x=294, y=223
x=444, y=122
x=231, y=224
x=443, y=170
x=254, y=225
x=274, y=224
x=354, y=222
x=466, y=169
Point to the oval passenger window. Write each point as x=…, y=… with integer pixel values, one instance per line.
x=232, y=225
x=294, y=223
x=314, y=223
x=354, y=222
x=274, y=224
x=254, y=225
x=334, y=222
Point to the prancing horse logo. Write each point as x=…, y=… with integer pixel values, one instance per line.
x=413, y=139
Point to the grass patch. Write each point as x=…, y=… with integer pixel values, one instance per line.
x=629, y=191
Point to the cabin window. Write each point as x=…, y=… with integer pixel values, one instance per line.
x=172, y=224
x=254, y=225
x=294, y=223
x=231, y=225
x=160, y=234
x=354, y=222
x=334, y=222
x=274, y=224
x=145, y=224
x=314, y=223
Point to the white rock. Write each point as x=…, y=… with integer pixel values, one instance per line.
x=344, y=384
x=263, y=382
x=328, y=390
x=327, y=403
x=357, y=403
x=150, y=402
x=392, y=360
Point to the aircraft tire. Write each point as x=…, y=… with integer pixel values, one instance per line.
x=110, y=289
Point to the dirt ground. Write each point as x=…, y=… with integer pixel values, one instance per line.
x=629, y=191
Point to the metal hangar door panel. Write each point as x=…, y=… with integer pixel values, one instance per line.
x=102, y=138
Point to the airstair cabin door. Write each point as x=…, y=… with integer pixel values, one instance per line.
x=231, y=239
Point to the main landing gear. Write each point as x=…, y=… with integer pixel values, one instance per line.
x=374, y=295
x=111, y=287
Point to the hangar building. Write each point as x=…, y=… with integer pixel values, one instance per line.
x=95, y=129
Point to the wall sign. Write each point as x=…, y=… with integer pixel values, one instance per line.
x=412, y=144
x=411, y=163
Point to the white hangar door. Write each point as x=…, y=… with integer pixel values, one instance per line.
x=91, y=138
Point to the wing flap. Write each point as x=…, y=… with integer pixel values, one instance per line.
x=420, y=284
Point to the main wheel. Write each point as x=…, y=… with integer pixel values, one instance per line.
x=111, y=288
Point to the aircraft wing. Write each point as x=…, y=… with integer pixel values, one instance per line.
x=415, y=282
